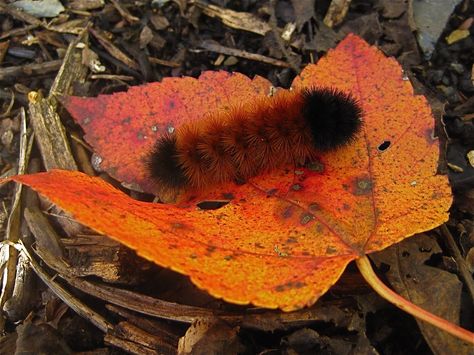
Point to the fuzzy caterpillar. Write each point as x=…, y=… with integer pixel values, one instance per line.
x=291, y=127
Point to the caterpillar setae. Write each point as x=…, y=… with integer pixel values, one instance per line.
x=290, y=127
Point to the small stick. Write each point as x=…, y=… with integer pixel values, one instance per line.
x=214, y=47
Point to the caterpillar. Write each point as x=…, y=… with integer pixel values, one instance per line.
x=257, y=137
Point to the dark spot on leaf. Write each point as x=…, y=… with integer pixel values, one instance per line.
x=299, y=284
x=228, y=195
x=288, y=212
x=296, y=187
x=126, y=120
x=272, y=192
x=291, y=240
x=319, y=228
x=330, y=250
x=228, y=257
x=279, y=288
x=177, y=225
x=290, y=285
x=306, y=218
x=315, y=166
x=314, y=207
x=362, y=186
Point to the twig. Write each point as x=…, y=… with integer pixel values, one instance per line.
x=80, y=308
x=214, y=47
x=120, y=78
x=30, y=69
x=163, y=62
x=10, y=105
x=124, y=12
x=14, y=219
x=278, y=39
x=128, y=346
x=463, y=268
x=17, y=31
x=113, y=50
x=233, y=19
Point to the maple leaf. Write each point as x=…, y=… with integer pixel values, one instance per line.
x=278, y=243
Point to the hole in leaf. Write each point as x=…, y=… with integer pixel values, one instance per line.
x=435, y=260
x=211, y=205
x=384, y=146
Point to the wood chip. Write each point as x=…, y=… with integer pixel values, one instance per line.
x=470, y=157
x=50, y=134
x=455, y=168
x=113, y=50
x=124, y=12
x=336, y=13
x=238, y=20
x=84, y=5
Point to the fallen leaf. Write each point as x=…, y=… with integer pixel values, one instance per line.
x=430, y=18
x=40, y=339
x=417, y=282
x=306, y=224
x=308, y=341
x=40, y=8
x=304, y=11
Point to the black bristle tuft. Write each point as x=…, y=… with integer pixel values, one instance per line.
x=334, y=117
x=163, y=164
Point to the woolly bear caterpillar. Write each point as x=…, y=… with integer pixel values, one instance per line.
x=291, y=127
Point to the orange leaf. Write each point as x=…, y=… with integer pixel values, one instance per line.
x=279, y=247
x=143, y=113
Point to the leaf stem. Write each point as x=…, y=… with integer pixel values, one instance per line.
x=372, y=279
